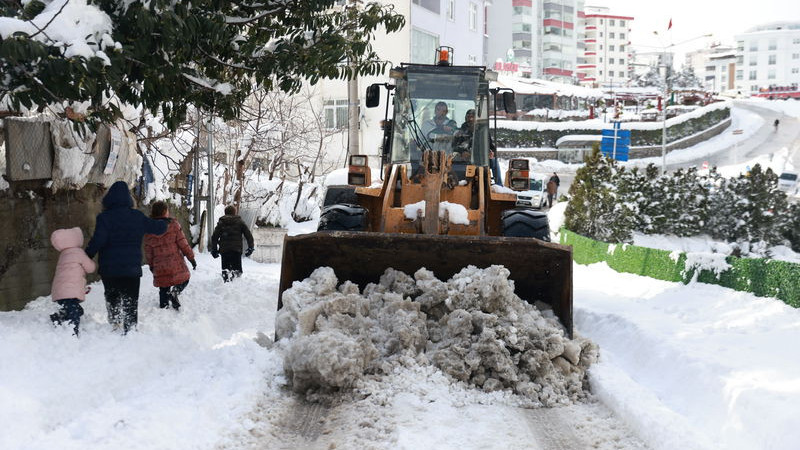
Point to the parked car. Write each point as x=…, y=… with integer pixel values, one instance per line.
x=787, y=182
x=535, y=197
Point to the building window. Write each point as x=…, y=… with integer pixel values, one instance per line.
x=523, y=11
x=753, y=75
x=473, y=60
x=521, y=44
x=795, y=55
x=740, y=74
x=335, y=114
x=771, y=74
x=622, y=48
x=430, y=5
x=740, y=46
x=611, y=48
x=752, y=62
x=451, y=10
x=622, y=23
x=795, y=70
x=611, y=35
x=773, y=44
x=754, y=46
x=611, y=22
x=795, y=41
x=772, y=60
x=423, y=46
x=522, y=28
x=753, y=88
x=621, y=74
x=622, y=35
x=610, y=61
x=473, y=17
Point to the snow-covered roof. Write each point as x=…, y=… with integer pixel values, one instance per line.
x=579, y=138
x=537, y=86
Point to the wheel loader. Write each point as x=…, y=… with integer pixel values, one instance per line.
x=436, y=203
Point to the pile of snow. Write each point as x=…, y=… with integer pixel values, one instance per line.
x=472, y=327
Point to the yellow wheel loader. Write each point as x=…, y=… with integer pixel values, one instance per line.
x=435, y=205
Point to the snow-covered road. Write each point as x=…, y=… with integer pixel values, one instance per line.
x=693, y=366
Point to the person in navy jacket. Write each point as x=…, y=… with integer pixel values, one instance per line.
x=117, y=239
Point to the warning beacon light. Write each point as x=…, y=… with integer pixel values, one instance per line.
x=444, y=56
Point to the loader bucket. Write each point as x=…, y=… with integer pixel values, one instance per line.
x=541, y=271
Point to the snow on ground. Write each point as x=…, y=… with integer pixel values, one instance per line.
x=694, y=366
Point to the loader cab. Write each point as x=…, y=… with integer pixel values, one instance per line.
x=422, y=92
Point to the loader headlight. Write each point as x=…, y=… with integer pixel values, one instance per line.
x=358, y=160
x=520, y=184
x=358, y=173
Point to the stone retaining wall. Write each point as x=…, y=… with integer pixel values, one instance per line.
x=28, y=262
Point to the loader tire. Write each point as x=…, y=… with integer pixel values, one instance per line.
x=521, y=222
x=340, y=195
x=343, y=217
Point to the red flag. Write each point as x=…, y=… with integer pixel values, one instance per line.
x=670, y=23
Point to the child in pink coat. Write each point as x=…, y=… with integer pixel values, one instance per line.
x=69, y=282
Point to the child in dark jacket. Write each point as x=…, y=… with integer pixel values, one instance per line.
x=227, y=241
x=117, y=238
x=165, y=255
x=69, y=282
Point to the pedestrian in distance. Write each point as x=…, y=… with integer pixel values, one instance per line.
x=117, y=239
x=226, y=241
x=164, y=254
x=552, y=188
x=554, y=178
x=776, y=123
x=69, y=282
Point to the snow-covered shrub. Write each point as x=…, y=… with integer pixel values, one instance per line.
x=595, y=208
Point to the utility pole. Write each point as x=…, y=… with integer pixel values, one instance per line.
x=210, y=200
x=352, y=116
x=352, y=104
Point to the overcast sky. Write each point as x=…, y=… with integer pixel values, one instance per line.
x=693, y=18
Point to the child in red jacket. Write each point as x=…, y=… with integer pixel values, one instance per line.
x=69, y=282
x=164, y=253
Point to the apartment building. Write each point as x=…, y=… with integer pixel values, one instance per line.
x=606, y=56
x=768, y=56
x=542, y=40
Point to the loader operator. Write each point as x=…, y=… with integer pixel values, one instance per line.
x=439, y=130
x=462, y=145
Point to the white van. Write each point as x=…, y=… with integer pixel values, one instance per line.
x=787, y=182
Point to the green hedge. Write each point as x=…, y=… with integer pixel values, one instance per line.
x=762, y=277
x=508, y=138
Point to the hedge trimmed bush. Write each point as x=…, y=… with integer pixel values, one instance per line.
x=508, y=138
x=761, y=277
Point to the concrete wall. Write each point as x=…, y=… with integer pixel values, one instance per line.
x=269, y=244
x=28, y=262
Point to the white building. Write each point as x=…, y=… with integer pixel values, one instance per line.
x=721, y=72
x=606, y=55
x=769, y=55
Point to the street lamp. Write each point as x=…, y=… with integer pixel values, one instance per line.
x=666, y=94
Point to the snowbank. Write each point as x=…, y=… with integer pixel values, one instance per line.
x=472, y=327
